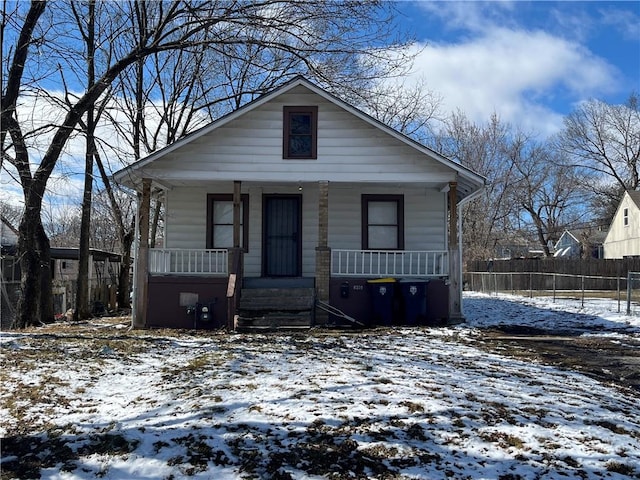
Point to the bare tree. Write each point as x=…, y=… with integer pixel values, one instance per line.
x=88, y=33
x=10, y=215
x=545, y=190
x=408, y=108
x=171, y=93
x=321, y=34
x=62, y=223
x=482, y=148
x=602, y=142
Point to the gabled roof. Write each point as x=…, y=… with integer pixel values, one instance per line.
x=592, y=235
x=635, y=196
x=469, y=182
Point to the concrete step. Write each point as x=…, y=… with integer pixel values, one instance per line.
x=275, y=321
x=275, y=308
x=280, y=299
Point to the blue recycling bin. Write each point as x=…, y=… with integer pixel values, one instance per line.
x=414, y=300
x=382, y=300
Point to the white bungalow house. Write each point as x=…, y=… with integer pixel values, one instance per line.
x=295, y=203
x=623, y=237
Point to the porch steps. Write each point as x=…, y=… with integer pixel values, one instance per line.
x=275, y=309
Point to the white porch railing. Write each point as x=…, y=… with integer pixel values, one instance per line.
x=178, y=261
x=389, y=263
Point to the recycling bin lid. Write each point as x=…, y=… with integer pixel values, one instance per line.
x=382, y=280
x=413, y=280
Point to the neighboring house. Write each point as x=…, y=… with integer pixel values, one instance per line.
x=623, y=238
x=104, y=268
x=296, y=189
x=9, y=273
x=580, y=243
x=8, y=233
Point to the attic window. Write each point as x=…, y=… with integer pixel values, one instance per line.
x=625, y=217
x=300, y=136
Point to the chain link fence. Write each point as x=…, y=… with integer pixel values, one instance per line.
x=625, y=291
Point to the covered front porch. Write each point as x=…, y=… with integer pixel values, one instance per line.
x=174, y=284
x=203, y=278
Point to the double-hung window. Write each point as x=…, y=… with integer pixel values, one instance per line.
x=220, y=221
x=300, y=136
x=382, y=222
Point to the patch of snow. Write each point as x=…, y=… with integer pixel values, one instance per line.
x=414, y=403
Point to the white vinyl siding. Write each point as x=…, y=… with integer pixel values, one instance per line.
x=250, y=148
x=623, y=238
x=424, y=212
x=425, y=218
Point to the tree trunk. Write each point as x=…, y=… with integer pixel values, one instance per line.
x=154, y=224
x=82, y=309
x=36, y=301
x=124, y=277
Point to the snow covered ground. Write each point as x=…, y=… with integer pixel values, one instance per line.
x=595, y=315
x=99, y=401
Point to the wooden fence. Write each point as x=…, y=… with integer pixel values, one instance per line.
x=588, y=266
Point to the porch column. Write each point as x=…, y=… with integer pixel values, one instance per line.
x=323, y=252
x=142, y=259
x=235, y=258
x=237, y=189
x=455, y=284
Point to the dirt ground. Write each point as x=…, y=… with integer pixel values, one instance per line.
x=611, y=360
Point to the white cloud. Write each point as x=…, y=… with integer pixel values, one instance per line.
x=626, y=21
x=514, y=73
x=491, y=63
x=471, y=16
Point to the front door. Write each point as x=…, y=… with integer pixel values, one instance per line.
x=282, y=236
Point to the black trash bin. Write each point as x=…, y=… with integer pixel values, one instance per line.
x=414, y=300
x=382, y=300
x=438, y=302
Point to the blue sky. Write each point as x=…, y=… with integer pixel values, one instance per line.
x=529, y=62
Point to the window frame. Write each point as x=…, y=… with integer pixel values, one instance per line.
x=226, y=197
x=286, y=131
x=399, y=201
x=625, y=217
